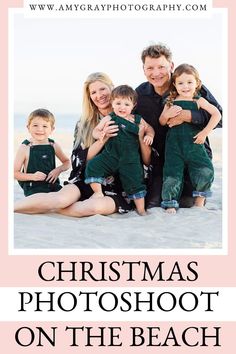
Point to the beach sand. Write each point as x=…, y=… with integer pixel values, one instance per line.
x=194, y=228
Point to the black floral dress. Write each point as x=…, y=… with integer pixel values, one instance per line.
x=111, y=188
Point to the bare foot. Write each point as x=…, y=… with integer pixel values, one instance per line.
x=199, y=202
x=97, y=195
x=139, y=204
x=170, y=211
x=141, y=212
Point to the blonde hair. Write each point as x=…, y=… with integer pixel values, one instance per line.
x=182, y=69
x=42, y=113
x=90, y=113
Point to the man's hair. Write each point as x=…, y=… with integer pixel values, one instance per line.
x=156, y=51
x=124, y=91
x=42, y=113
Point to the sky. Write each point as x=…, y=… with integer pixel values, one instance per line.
x=51, y=58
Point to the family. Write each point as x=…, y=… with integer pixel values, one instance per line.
x=163, y=125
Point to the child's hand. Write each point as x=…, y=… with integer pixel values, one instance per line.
x=148, y=140
x=173, y=111
x=53, y=175
x=200, y=138
x=39, y=176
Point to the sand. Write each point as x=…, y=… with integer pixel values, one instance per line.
x=194, y=228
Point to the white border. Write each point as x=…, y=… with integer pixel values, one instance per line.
x=101, y=251
x=220, y=302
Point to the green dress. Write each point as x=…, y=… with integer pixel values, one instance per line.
x=182, y=153
x=41, y=158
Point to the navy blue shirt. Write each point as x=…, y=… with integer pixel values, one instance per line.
x=150, y=106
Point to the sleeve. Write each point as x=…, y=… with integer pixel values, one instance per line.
x=78, y=159
x=78, y=163
x=202, y=117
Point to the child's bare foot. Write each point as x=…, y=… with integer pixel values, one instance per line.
x=97, y=195
x=141, y=212
x=140, y=208
x=170, y=211
x=199, y=202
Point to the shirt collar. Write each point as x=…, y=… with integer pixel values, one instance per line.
x=150, y=91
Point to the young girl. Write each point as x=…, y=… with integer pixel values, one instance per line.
x=121, y=153
x=184, y=142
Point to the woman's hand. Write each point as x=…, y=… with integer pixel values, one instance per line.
x=109, y=130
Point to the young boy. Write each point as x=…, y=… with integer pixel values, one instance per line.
x=121, y=153
x=34, y=166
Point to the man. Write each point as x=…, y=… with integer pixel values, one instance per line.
x=158, y=67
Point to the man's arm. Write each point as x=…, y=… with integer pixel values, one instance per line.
x=183, y=116
x=170, y=112
x=200, y=117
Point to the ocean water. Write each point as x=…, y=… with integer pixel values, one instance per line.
x=67, y=122
x=64, y=122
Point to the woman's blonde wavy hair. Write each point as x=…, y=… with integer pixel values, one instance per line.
x=181, y=69
x=90, y=113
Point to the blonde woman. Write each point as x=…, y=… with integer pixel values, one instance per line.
x=74, y=199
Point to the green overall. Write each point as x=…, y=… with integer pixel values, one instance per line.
x=181, y=153
x=120, y=155
x=41, y=158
